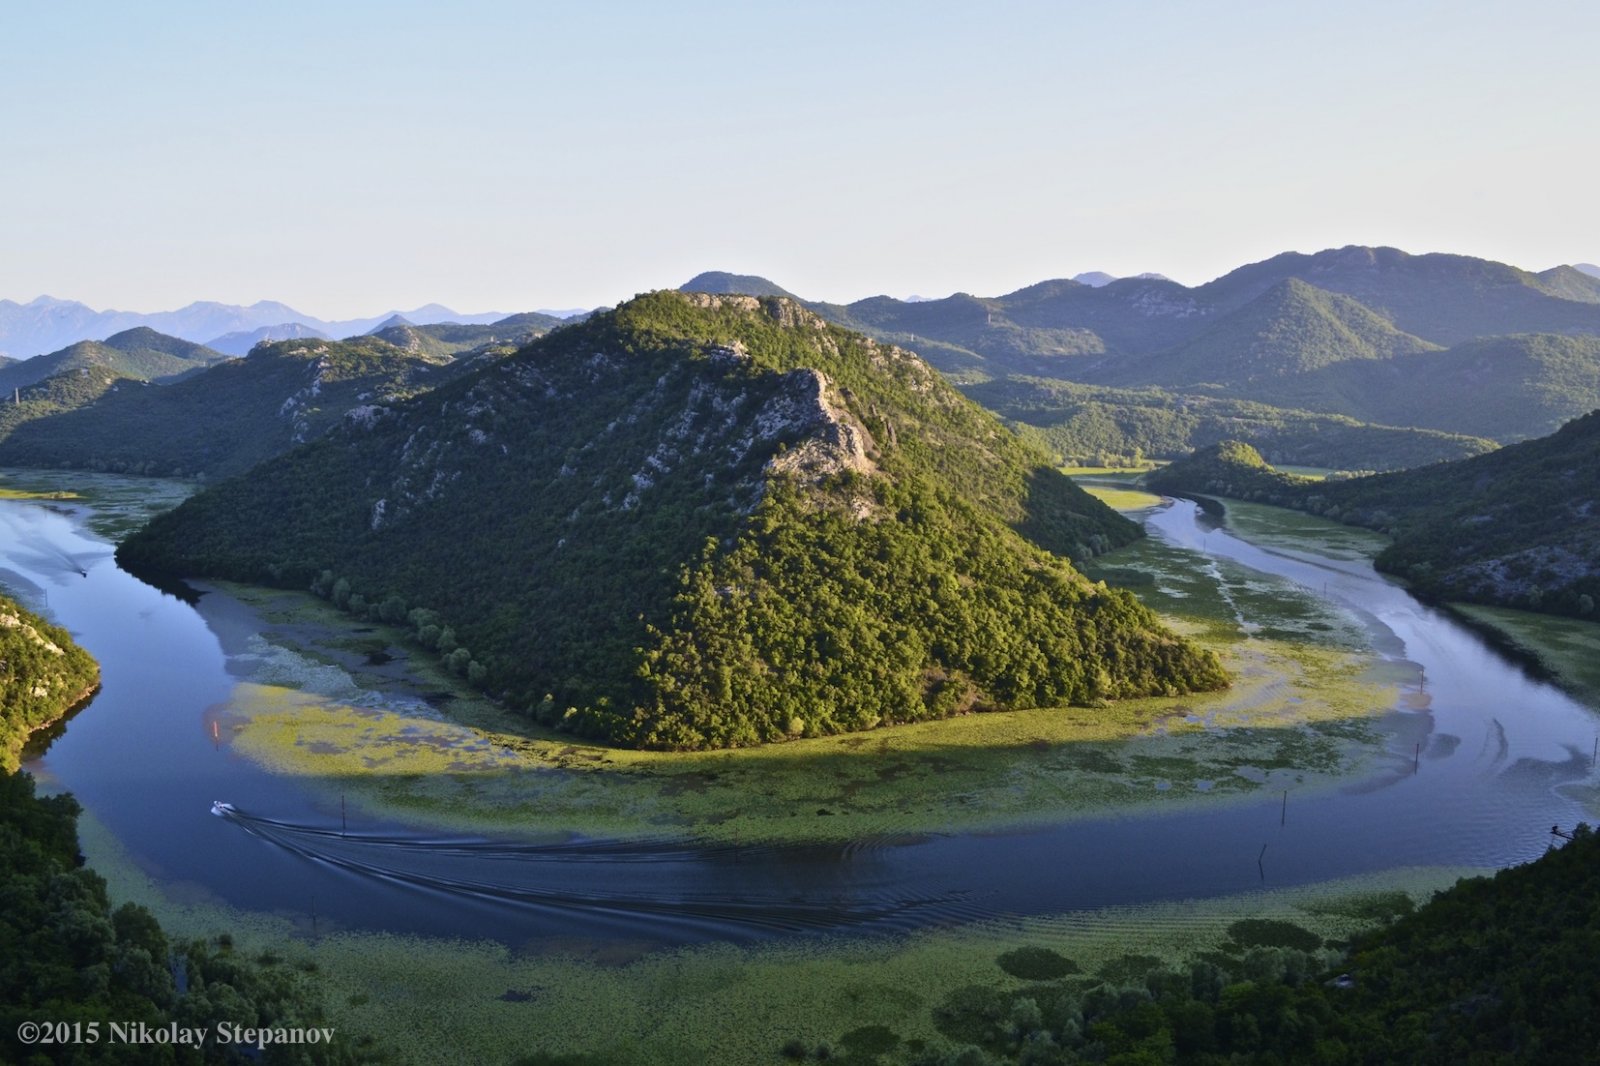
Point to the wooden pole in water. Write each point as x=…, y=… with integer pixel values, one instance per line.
x=343, y=825
x=1596, y=756
x=1259, y=866
x=1416, y=761
x=1283, y=819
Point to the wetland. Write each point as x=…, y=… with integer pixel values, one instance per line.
x=388, y=817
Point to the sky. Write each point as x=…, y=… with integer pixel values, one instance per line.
x=346, y=158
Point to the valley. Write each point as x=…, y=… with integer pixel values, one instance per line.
x=372, y=788
x=703, y=653
x=758, y=535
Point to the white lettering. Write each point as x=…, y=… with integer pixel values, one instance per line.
x=228, y=1033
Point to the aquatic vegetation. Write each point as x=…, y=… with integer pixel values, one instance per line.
x=315, y=705
x=9, y=493
x=118, y=504
x=628, y=1002
x=1568, y=648
x=1122, y=499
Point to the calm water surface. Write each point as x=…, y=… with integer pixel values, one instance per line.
x=1496, y=749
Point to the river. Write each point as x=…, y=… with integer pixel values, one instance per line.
x=1481, y=789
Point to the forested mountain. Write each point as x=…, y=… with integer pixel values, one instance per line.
x=1228, y=468
x=221, y=421
x=66, y=391
x=42, y=674
x=1445, y=299
x=1516, y=526
x=1439, y=300
x=1357, y=332
x=1519, y=526
x=1507, y=388
x=720, y=282
x=140, y=353
x=1298, y=348
x=1291, y=329
x=1107, y=426
x=701, y=521
x=1265, y=353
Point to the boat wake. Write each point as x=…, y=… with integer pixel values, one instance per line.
x=731, y=890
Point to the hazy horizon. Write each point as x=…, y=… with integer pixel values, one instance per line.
x=500, y=156
x=470, y=310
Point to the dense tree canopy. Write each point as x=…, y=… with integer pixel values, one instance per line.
x=42, y=674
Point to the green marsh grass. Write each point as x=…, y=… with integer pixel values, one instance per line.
x=1305, y=695
x=1568, y=647
x=429, y=1000
x=120, y=503
x=1122, y=499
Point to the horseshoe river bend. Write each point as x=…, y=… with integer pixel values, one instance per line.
x=1368, y=735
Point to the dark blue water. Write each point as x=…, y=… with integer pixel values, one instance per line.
x=1498, y=749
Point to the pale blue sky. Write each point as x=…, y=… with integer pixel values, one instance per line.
x=349, y=157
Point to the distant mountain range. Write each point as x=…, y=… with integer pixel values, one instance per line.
x=47, y=324
x=1410, y=358
x=219, y=415
x=1096, y=278
x=241, y=342
x=141, y=354
x=1445, y=342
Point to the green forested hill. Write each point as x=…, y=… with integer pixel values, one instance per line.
x=1507, y=388
x=1519, y=526
x=42, y=674
x=701, y=520
x=56, y=395
x=722, y=283
x=138, y=353
x=1095, y=423
x=1228, y=468
x=1356, y=332
x=1496, y=969
x=1309, y=310
x=1504, y=388
x=220, y=421
x=1290, y=330
x=1445, y=299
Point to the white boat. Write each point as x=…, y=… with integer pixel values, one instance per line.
x=221, y=809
